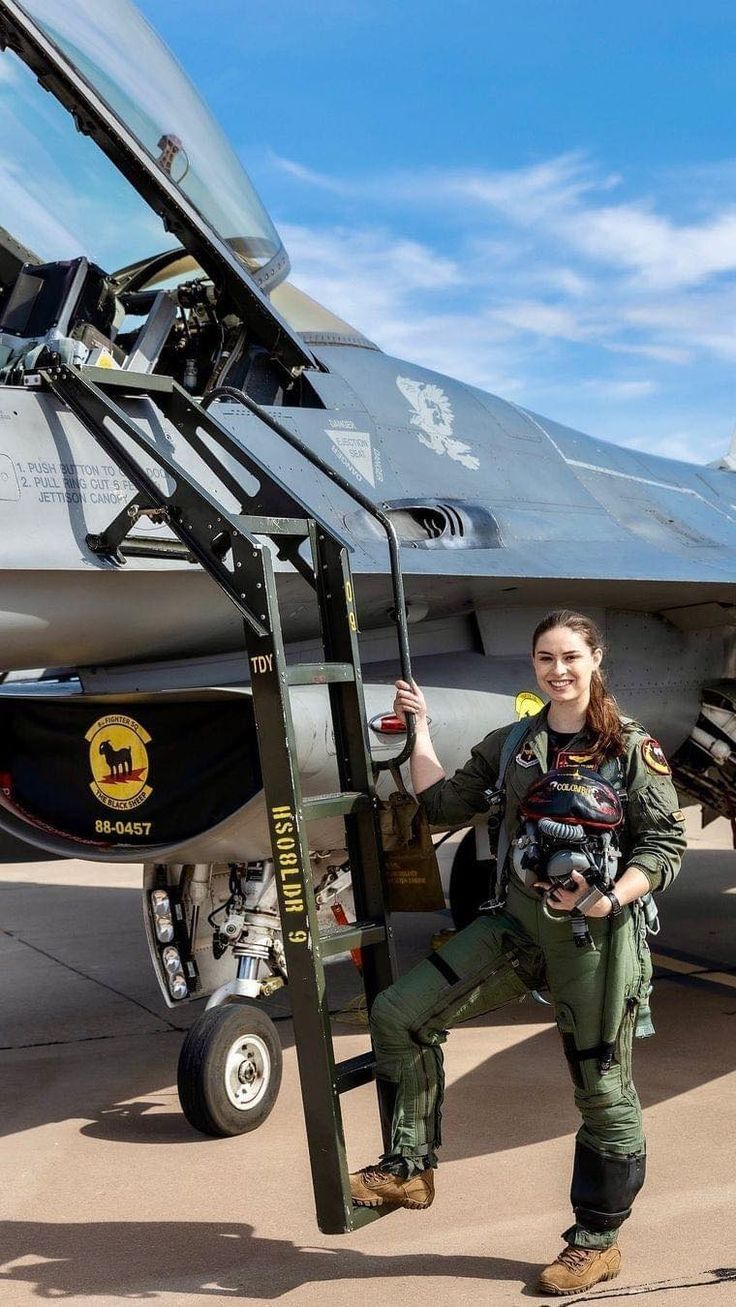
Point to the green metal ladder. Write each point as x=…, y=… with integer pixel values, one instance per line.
x=229, y=546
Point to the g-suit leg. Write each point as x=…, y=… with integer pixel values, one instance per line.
x=484, y=966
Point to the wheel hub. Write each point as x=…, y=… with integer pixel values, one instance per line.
x=247, y=1071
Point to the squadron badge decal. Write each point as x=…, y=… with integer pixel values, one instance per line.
x=654, y=758
x=526, y=757
x=118, y=759
x=527, y=704
x=434, y=416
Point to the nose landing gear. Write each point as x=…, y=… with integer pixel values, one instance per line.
x=230, y=1063
x=229, y=1071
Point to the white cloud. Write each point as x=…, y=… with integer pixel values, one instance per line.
x=553, y=294
x=363, y=272
x=529, y=195
x=564, y=201
x=620, y=390
x=543, y=319
x=308, y=175
x=543, y=253
x=661, y=353
x=664, y=254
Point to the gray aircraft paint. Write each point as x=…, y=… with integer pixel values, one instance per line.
x=565, y=506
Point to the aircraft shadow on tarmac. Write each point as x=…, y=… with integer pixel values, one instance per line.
x=138, y=1260
x=503, y=1103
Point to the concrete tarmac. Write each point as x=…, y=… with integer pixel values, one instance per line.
x=107, y=1195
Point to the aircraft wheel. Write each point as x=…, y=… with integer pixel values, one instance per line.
x=229, y=1070
x=468, y=883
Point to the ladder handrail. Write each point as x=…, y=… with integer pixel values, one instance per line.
x=397, y=580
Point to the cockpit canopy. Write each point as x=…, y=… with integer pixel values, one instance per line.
x=120, y=56
x=211, y=309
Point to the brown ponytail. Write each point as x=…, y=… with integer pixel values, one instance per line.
x=602, y=719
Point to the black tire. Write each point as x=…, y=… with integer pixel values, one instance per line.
x=229, y=1071
x=469, y=882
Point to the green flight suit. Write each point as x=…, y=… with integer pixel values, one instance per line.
x=596, y=991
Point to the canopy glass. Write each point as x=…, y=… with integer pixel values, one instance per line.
x=116, y=51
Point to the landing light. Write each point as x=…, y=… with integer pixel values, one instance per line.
x=163, y=922
x=171, y=960
x=176, y=980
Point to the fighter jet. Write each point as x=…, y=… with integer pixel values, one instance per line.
x=166, y=423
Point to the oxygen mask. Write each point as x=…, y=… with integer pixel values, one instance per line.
x=570, y=818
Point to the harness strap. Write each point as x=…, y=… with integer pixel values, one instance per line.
x=602, y=1053
x=444, y=968
x=585, y=1054
x=514, y=738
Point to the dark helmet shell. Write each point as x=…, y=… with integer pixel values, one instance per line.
x=574, y=794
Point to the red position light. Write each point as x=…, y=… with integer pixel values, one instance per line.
x=388, y=724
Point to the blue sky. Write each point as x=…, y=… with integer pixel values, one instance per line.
x=537, y=197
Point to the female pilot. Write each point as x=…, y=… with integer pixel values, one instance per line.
x=597, y=989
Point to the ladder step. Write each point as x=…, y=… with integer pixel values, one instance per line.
x=355, y=1071
x=319, y=673
x=357, y=934
x=137, y=547
x=273, y=526
x=336, y=805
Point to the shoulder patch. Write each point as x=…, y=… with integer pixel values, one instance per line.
x=653, y=757
x=678, y=815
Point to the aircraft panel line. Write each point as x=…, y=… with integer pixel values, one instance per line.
x=631, y=476
x=624, y=476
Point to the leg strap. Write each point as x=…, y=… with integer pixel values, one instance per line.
x=444, y=968
x=602, y=1053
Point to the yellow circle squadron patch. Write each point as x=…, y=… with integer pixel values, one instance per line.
x=654, y=758
x=118, y=759
x=528, y=704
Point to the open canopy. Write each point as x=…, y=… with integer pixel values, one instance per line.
x=125, y=89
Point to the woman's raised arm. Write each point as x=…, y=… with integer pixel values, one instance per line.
x=426, y=767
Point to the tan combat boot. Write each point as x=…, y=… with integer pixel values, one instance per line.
x=580, y=1268
x=372, y=1187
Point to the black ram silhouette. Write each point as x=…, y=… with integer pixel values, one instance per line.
x=119, y=761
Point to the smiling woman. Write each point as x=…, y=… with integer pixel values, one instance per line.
x=574, y=789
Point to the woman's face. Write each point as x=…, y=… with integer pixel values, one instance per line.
x=564, y=664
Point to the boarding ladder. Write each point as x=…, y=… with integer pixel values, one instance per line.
x=231, y=547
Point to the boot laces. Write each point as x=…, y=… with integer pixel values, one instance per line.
x=374, y=1175
x=575, y=1258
